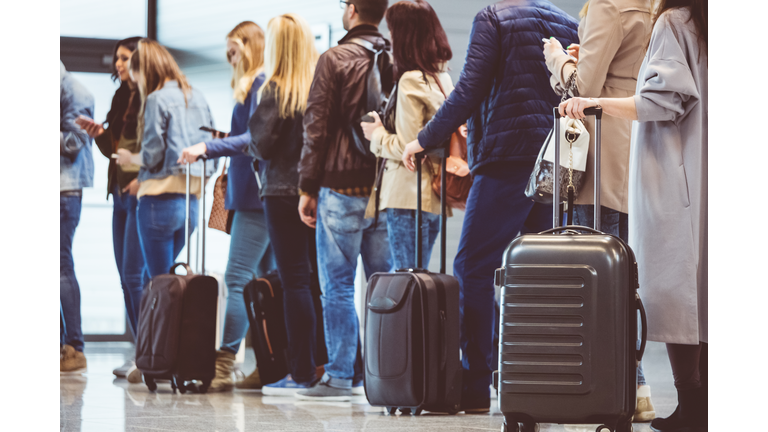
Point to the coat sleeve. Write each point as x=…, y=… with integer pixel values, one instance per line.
x=265, y=126
x=603, y=35
x=317, y=119
x=235, y=145
x=153, y=145
x=409, y=118
x=474, y=82
x=75, y=101
x=668, y=86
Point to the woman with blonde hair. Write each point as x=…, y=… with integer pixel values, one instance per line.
x=249, y=251
x=169, y=119
x=613, y=35
x=276, y=142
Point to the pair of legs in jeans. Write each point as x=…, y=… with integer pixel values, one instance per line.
x=128, y=256
x=161, y=220
x=615, y=223
x=342, y=235
x=70, y=331
x=291, y=239
x=401, y=229
x=250, y=255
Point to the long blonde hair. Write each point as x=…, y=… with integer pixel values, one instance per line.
x=151, y=66
x=290, y=57
x=250, y=38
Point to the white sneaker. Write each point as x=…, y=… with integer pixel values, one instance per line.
x=358, y=389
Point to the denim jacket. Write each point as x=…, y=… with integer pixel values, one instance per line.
x=76, y=159
x=170, y=126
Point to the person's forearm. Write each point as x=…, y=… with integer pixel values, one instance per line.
x=623, y=108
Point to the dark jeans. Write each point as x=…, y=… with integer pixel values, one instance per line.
x=290, y=239
x=70, y=331
x=611, y=222
x=401, y=230
x=161, y=220
x=130, y=261
x=497, y=211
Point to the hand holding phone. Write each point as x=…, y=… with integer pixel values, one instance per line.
x=214, y=132
x=367, y=119
x=89, y=126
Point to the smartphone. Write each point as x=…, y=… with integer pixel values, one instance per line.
x=213, y=131
x=367, y=119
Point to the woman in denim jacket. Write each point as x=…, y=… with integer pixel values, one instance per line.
x=249, y=251
x=277, y=139
x=169, y=121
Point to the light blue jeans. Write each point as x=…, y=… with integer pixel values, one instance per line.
x=250, y=255
x=401, y=229
x=342, y=235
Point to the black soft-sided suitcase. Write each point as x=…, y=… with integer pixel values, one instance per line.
x=412, y=334
x=177, y=323
x=568, y=330
x=264, y=304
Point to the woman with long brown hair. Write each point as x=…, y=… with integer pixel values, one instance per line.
x=421, y=52
x=277, y=132
x=668, y=197
x=169, y=121
x=119, y=132
x=249, y=250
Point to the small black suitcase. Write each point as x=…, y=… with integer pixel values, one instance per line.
x=568, y=330
x=177, y=323
x=264, y=304
x=412, y=334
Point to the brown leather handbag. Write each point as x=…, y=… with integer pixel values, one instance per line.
x=221, y=218
x=458, y=180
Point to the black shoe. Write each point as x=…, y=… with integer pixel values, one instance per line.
x=688, y=416
x=475, y=405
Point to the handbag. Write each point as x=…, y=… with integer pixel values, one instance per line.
x=221, y=218
x=458, y=182
x=574, y=148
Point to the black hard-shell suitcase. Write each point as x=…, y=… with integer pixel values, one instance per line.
x=568, y=332
x=412, y=334
x=177, y=323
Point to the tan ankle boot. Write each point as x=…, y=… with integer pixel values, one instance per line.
x=644, y=411
x=251, y=382
x=71, y=360
x=225, y=365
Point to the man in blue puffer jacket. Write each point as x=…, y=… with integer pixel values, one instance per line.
x=505, y=93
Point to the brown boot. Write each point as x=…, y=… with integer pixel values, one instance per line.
x=71, y=360
x=251, y=382
x=225, y=365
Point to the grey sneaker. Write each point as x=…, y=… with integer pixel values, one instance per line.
x=323, y=392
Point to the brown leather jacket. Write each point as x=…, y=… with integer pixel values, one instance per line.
x=335, y=99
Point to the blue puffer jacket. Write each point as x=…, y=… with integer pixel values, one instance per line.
x=504, y=87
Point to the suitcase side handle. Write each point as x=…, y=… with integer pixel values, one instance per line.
x=644, y=323
x=177, y=265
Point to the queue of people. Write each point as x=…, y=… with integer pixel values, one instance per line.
x=298, y=186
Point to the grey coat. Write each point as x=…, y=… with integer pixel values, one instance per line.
x=668, y=182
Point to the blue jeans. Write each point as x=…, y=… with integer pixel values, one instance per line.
x=291, y=239
x=342, y=235
x=497, y=210
x=70, y=331
x=611, y=222
x=160, y=221
x=250, y=255
x=130, y=261
x=401, y=227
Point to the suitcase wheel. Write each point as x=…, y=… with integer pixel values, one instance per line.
x=530, y=427
x=392, y=410
x=510, y=427
x=151, y=384
x=204, y=387
x=405, y=411
x=603, y=428
x=417, y=412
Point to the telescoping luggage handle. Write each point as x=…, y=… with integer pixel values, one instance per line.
x=188, y=221
x=598, y=113
x=442, y=154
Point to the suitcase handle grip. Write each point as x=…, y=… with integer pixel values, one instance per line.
x=593, y=111
x=644, y=323
x=572, y=228
x=177, y=265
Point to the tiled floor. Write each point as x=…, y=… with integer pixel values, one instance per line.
x=97, y=402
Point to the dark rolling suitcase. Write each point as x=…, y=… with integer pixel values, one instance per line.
x=264, y=304
x=568, y=329
x=412, y=334
x=177, y=323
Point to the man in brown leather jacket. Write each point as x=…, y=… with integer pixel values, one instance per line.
x=336, y=181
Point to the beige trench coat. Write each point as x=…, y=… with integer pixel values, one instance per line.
x=417, y=103
x=612, y=38
x=668, y=183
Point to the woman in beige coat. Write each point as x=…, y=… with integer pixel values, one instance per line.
x=668, y=198
x=420, y=49
x=613, y=35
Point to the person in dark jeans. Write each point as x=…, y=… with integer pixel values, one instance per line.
x=76, y=172
x=504, y=91
x=276, y=143
x=336, y=181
